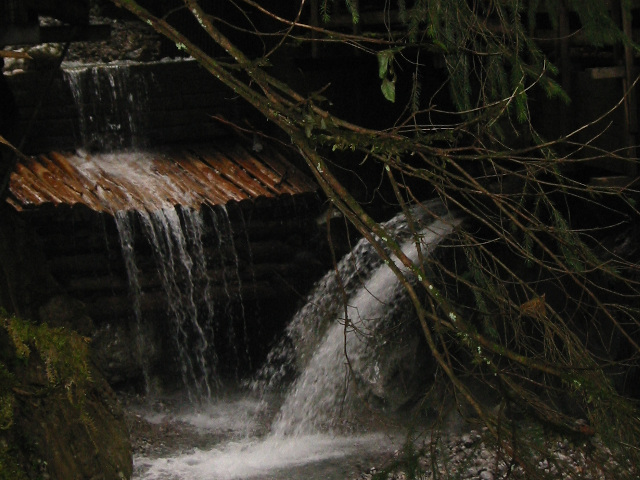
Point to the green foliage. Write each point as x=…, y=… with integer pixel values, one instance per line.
x=325, y=10
x=66, y=361
x=65, y=357
x=7, y=382
x=353, y=9
x=488, y=43
x=387, y=73
x=65, y=354
x=9, y=467
x=597, y=24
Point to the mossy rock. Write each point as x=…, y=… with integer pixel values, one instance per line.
x=66, y=422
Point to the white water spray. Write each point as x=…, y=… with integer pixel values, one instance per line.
x=304, y=439
x=176, y=266
x=324, y=394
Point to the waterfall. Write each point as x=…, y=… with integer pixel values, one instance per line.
x=324, y=392
x=126, y=234
x=325, y=301
x=230, y=268
x=175, y=237
x=179, y=267
x=111, y=101
x=306, y=438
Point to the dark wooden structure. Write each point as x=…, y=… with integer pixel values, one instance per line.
x=59, y=239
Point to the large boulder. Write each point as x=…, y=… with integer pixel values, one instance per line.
x=63, y=421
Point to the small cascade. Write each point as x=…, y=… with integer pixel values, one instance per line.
x=200, y=326
x=126, y=234
x=111, y=101
x=181, y=270
x=230, y=268
x=325, y=302
x=305, y=438
x=331, y=356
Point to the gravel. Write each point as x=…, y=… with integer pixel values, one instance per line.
x=470, y=457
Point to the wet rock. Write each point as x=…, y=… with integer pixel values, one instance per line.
x=66, y=424
x=67, y=312
x=466, y=457
x=121, y=356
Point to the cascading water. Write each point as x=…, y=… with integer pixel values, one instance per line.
x=230, y=268
x=305, y=438
x=174, y=237
x=111, y=103
x=125, y=232
x=182, y=269
x=325, y=393
x=336, y=364
x=178, y=268
x=325, y=302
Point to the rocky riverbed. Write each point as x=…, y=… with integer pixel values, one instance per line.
x=165, y=431
x=471, y=456
x=230, y=438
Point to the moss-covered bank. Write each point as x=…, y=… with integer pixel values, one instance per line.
x=59, y=419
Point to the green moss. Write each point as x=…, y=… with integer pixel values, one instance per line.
x=6, y=397
x=65, y=357
x=65, y=354
x=9, y=468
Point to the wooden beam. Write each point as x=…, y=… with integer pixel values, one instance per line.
x=603, y=73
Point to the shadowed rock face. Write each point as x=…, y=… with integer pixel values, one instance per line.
x=56, y=439
x=65, y=424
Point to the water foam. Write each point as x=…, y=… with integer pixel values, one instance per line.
x=251, y=458
x=325, y=393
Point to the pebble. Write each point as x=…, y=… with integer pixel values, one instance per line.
x=469, y=458
x=486, y=475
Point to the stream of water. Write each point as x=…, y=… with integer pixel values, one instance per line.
x=112, y=104
x=315, y=427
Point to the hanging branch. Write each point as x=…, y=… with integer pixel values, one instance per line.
x=523, y=346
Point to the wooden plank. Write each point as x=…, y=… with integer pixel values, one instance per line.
x=24, y=191
x=214, y=191
x=56, y=179
x=225, y=176
x=110, y=195
x=288, y=172
x=200, y=175
x=178, y=190
x=603, y=73
x=233, y=173
x=86, y=188
x=26, y=177
x=265, y=175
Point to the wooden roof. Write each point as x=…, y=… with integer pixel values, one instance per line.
x=193, y=176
